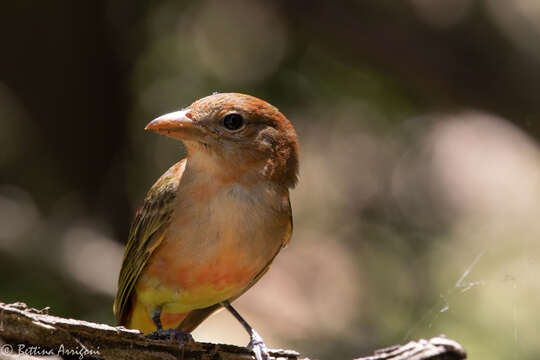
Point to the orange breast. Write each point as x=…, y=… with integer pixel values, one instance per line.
x=178, y=266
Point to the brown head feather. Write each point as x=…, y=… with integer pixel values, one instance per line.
x=268, y=136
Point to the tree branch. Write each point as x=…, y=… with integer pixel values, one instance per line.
x=34, y=332
x=437, y=348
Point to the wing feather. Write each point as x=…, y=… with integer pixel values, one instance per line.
x=146, y=233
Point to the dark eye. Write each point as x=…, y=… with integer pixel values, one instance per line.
x=233, y=121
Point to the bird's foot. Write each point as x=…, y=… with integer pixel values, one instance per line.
x=256, y=344
x=172, y=335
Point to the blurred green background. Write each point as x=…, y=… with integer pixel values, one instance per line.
x=417, y=208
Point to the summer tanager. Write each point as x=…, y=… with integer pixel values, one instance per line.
x=211, y=226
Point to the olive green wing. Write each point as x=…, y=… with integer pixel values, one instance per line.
x=146, y=232
x=196, y=317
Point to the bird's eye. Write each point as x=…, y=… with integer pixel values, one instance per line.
x=233, y=121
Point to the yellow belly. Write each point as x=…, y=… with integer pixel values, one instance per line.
x=181, y=284
x=178, y=285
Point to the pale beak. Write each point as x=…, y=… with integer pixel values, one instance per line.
x=178, y=125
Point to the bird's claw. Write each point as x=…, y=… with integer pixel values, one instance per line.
x=256, y=344
x=172, y=335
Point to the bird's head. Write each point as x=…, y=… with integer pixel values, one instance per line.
x=235, y=135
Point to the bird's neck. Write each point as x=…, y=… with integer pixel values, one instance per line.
x=205, y=165
x=207, y=184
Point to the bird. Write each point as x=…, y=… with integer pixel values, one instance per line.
x=212, y=224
